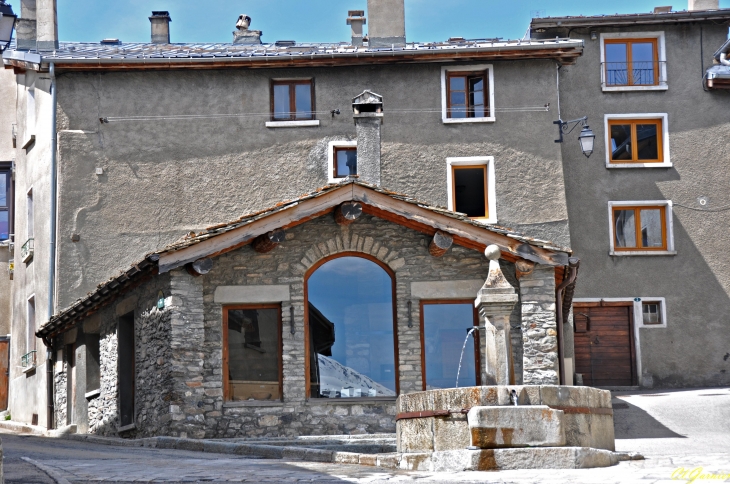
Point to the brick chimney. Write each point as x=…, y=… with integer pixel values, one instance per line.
x=704, y=5
x=387, y=23
x=356, y=19
x=160, y=27
x=46, y=25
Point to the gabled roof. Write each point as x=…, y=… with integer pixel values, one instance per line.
x=391, y=206
x=631, y=19
x=96, y=56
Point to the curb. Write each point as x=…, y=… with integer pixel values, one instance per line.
x=51, y=473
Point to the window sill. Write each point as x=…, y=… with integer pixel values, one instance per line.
x=126, y=428
x=349, y=401
x=29, y=369
x=641, y=252
x=92, y=394
x=253, y=403
x=639, y=165
x=663, y=325
x=635, y=88
x=490, y=119
x=292, y=124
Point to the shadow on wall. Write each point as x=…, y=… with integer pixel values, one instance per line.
x=631, y=422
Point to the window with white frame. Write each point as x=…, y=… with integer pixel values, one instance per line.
x=341, y=160
x=637, y=140
x=633, y=61
x=467, y=94
x=471, y=188
x=642, y=227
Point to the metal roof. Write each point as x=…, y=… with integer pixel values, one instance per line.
x=631, y=18
x=87, y=52
x=148, y=266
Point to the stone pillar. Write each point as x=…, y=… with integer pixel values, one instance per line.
x=495, y=302
x=187, y=338
x=81, y=405
x=539, y=328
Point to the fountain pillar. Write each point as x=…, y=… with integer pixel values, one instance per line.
x=495, y=301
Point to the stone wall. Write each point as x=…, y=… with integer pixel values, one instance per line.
x=539, y=328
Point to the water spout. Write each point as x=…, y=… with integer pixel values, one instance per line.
x=468, y=333
x=513, y=397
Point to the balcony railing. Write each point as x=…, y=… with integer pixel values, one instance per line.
x=633, y=74
x=26, y=252
x=28, y=360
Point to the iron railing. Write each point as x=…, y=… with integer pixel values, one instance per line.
x=634, y=74
x=26, y=252
x=28, y=359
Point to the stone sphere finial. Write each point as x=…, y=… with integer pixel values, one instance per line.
x=492, y=252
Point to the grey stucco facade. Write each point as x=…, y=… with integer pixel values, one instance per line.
x=691, y=350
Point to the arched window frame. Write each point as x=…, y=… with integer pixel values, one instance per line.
x=307, y=275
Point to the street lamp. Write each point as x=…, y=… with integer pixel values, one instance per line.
x=586, y=137
x=7, y=24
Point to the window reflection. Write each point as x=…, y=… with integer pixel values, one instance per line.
x=352, y=351
x=445, y=326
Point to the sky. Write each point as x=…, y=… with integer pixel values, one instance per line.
x=320, y=20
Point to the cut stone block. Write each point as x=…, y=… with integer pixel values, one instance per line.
x=507, y=427
x=533, y=458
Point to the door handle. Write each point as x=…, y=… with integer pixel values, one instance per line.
x=596, y=341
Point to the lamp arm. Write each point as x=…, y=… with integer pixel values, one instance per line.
x=564, y=127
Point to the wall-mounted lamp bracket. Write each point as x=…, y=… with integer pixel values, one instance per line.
x=585, y=138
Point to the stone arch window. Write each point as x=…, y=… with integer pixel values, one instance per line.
x=350, y=328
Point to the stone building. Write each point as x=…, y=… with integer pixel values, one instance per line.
x=157, y=350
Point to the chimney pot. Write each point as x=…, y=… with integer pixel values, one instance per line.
x=356, y=19
x=243, y=35
x=160, y=24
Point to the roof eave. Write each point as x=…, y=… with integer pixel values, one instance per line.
x=623, y=20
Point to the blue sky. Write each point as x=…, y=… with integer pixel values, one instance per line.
x=320, y=20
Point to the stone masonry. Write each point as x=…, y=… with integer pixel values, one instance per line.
x=539, y=328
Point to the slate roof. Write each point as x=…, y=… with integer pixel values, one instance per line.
x=147, y=266
x=631, y=18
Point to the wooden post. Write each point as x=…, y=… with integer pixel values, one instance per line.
x=266, y=242
x=440, y=243
x=348, y=212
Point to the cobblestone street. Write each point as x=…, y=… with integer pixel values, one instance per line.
x=672, y=429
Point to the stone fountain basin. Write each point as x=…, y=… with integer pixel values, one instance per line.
x=508, y=427
x=587, y=415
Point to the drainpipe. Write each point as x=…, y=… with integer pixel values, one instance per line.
x=52, y=251
x=573, y=263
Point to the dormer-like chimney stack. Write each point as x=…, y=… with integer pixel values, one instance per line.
x=356, y=19
x=160, y=27
x=387, y=23
x=367, y=112
x=25, y=26
x=46, y=25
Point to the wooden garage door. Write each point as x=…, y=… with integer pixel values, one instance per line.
x=604, y=345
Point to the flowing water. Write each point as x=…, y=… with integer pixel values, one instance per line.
x=468, y=333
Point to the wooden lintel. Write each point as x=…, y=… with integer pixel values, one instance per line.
x=348, y=212
x=440, y=243
x=523, y=267
x=267, y=242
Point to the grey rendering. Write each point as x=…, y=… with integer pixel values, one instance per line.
x=184, y=215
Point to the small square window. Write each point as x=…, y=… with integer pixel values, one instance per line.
x=651, y=312
x=635, y=141
x=292, y=100
x=345, y=161
x=469, y=192
x=252, y=353
x=639, y=228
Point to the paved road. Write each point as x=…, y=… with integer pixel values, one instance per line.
x=672, y=429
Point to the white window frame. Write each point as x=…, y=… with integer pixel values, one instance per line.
x=667, y=163
x=491, y=187
x=638, y=321
x=633, y=203
x=468, y=68
x=331, y=157
x=661, y=57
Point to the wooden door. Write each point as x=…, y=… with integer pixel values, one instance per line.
x=604, y=344
x=4, y=366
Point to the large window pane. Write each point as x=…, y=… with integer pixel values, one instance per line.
x=253, y=354
x=651, y=227
x=445, y=328
x=352, y=351
x=642, y=63
x=303, y=100
x=616, y=64
x=647, y=141
x=621, y=148
x=625, y=227
x=470, y=191
x=281, y=101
